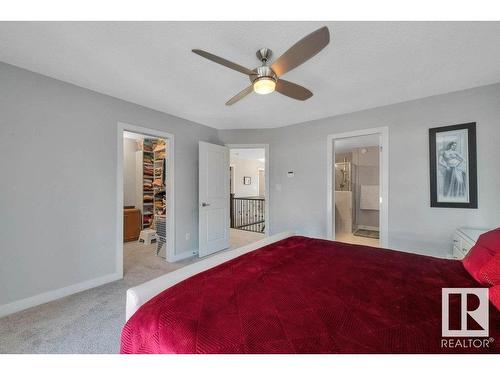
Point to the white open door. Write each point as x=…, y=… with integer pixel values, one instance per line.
x=213, y=198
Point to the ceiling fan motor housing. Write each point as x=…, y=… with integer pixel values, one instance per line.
x=264, y=54
x=263, y=72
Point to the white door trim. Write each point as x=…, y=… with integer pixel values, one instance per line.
x=384, y=181
x=258, y=179
x=170, y=251
x=265, y=146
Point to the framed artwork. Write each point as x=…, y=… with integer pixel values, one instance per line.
x=247, y=180
x=453, y=166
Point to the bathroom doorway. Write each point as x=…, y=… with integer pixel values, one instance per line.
x=357, y=189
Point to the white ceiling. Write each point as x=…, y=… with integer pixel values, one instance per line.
x=247, y=153
x=367, y=64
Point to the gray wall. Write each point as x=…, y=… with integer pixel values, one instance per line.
x=299, y=203
x=58, y=158
x=129, y=172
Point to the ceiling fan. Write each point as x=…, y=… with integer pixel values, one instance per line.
x=266, y=79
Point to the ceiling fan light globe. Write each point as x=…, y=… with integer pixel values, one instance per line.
x=264, y=85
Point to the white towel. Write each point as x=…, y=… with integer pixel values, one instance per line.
x=369, y=197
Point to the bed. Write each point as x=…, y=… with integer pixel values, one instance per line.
x=294, y=294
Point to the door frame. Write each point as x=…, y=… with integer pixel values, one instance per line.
x=265, y=146
x=169, y=188
x=383, y=132
x=258, y=179
x=231, y=177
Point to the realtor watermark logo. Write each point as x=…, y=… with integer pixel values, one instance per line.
x=465, y=317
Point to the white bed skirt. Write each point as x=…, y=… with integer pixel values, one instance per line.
x=142, y=293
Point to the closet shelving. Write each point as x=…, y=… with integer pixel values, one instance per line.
x=160, y=206
x=159, y=153
x=151, y=196
x=151, y=191
x=147, y=183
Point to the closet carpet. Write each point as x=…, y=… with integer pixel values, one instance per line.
x=90, y=321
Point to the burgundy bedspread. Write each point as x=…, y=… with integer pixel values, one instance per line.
x=303, y=295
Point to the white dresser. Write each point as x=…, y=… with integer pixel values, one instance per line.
x=464, y=239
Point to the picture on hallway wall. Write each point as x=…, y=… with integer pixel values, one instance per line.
x=453, y=166
x=247, y=180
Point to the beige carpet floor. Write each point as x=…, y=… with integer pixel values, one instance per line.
x=91, y=321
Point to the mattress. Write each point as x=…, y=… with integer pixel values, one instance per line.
x=304, y=295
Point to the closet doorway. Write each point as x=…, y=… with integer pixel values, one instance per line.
x=145, y=209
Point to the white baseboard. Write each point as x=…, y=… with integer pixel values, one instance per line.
x=181, y=256
x=52, y=295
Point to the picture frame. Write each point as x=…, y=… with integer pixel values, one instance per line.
x=453, y=166
x=247, y=180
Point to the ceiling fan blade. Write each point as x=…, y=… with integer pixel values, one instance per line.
x=226, y=63
x=292, y=90
x=302, y=51
x=240, y=95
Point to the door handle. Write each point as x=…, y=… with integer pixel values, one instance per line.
x=204, y=204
